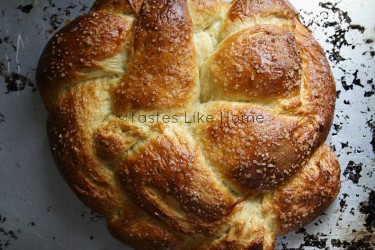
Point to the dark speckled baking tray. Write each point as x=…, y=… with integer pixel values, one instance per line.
x=39, y=211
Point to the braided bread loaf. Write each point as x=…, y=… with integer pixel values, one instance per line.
x=250, y=100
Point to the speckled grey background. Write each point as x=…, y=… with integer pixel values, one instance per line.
x=37, y=208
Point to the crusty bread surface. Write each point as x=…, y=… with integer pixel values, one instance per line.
x=259, y=168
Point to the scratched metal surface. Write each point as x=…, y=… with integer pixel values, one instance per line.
x=37, y=208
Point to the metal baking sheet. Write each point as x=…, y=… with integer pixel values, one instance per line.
x=39, y=211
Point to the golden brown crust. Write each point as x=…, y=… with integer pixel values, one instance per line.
x=252, y=147
x=80, y=46
x=116, y=136
x=166, y=172
x=262, y=63
x=162, y=31
x=246, y=9
x=309, y=193
x=260, y=168
x=71, y=149
x=117, y=6
x=142, y=231
x=318, y=93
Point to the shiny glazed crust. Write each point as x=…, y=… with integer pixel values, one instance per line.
x=225, y=184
